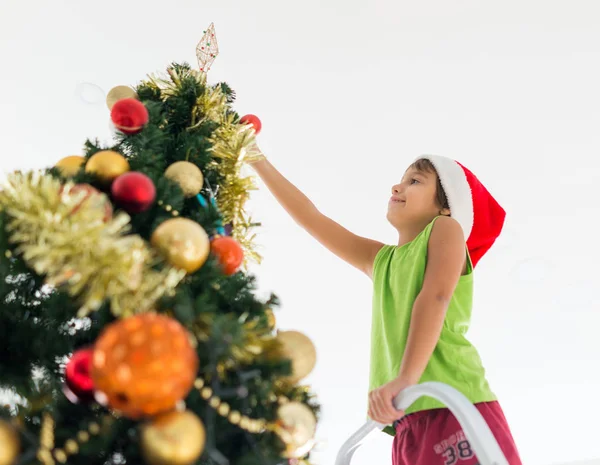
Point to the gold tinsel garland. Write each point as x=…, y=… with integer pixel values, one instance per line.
x=232, y=144
x=68, y=241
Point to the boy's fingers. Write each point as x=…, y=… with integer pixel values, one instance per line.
x=372, y=411
x=378, y=408
x=390, y=410
x=381, y=408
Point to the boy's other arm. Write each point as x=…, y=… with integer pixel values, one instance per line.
x=445, y=259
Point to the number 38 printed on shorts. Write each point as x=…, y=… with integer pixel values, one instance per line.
x=454, y=449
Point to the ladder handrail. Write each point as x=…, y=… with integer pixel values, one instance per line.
x=476, y=430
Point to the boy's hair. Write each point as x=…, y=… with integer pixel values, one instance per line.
x=425, y=166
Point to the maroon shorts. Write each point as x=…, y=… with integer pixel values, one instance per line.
x=434, y=437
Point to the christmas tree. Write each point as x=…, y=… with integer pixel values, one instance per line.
x=130, y=330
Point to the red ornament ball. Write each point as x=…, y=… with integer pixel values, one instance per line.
x=252, y=120
x=78, y=377
x=129, y=115
x=92, y=198
x=229, y=253
x=134, y=192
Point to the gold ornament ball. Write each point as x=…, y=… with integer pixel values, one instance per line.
x=296, y=426
x=174, y=438
x=69, y=166
x=119, y=93
x=107, y=165
x=183, y=243
x=10, y=444
x=301, y=351
x=187, y=175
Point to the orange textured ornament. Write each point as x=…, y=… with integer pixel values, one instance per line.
x=143, y=365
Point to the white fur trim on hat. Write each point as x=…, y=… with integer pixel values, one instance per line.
x=457, y=189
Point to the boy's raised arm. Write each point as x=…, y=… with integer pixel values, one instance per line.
x=355, y=250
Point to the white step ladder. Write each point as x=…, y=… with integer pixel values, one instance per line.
x=476, y=430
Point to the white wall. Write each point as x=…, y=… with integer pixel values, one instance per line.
x=349, y=92
x=587, y=462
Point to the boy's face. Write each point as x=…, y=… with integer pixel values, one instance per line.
x=413, y=201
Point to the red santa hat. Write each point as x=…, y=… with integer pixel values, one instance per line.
x=478, y=213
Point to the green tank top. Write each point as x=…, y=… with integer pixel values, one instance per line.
x=398, y=274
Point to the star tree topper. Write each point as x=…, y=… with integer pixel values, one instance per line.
x=207, y=49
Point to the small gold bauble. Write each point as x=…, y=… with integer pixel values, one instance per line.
x=107, y=165
x=296, y=426
x=300, y=350
x=183, y=243
x=174, y=438
x=224, y=409
x=60, y=456
x=271, y=320
x=94, y=428
x=69, y=166
x=187, y=175
x=235, y=417
x=71, y=447
x=119, y=93
x=10, y=444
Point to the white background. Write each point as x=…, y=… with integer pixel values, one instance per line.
x=349, y=93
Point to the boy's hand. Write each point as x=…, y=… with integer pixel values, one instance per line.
x=381, y=407
x=254, y=154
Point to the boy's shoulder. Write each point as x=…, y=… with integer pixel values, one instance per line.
x=446, y=227
x=447, y=242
